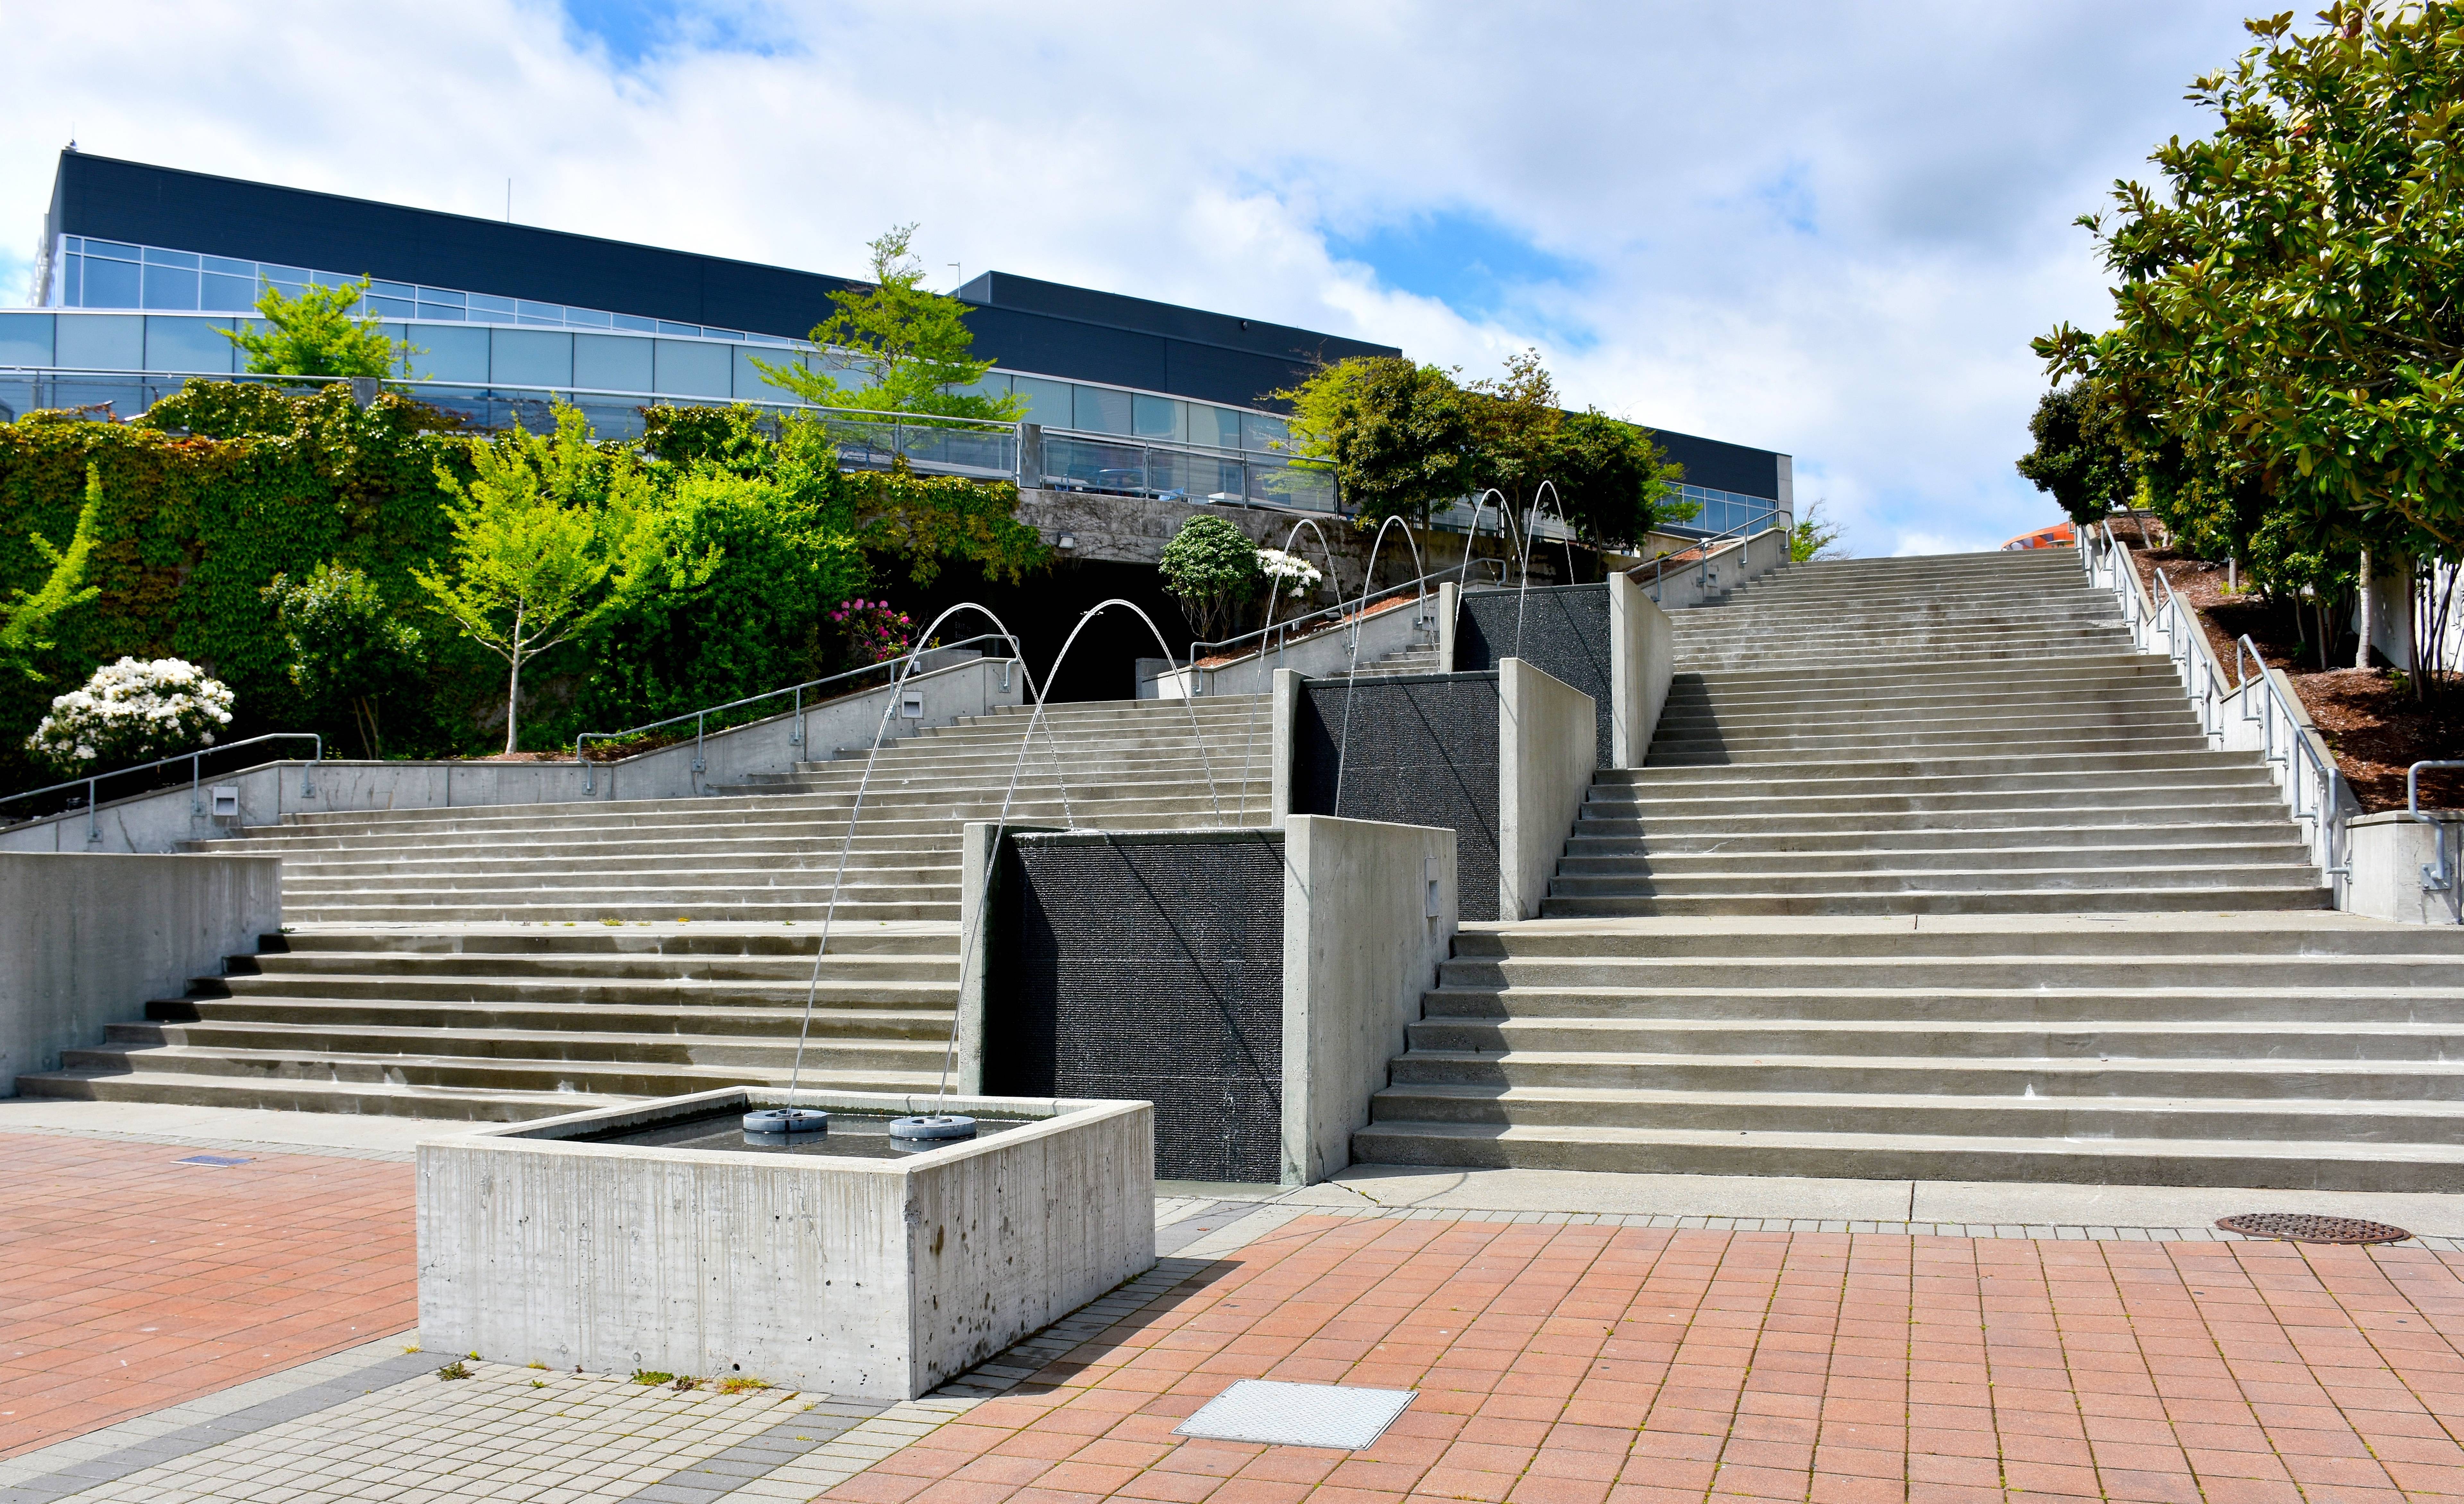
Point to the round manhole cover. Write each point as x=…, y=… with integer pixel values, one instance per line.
x=2300, y=1226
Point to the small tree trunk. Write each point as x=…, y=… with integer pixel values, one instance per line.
x=514, y=687
x=2368, y=615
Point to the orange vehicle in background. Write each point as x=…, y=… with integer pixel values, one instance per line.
x=2061, y=534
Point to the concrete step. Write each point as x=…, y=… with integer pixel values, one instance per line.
x=2108, y=859
x=2059, y=1003
x=2302, y=1164
x=2014, y=900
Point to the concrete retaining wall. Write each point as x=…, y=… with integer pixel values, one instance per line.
x=158, y=822
x=1369, y=914
x=1643, y=653
x=1546, y=755
x=2388, y=852
x=879, y=1278
x=88, y=941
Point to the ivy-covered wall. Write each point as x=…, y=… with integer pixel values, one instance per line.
x=199, y=513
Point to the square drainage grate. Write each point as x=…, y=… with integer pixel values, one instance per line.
x=1297, y=1414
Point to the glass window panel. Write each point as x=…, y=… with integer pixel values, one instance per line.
x=536, y=319
x=496, y=309
x=708, y=333
x=330, y=279
x=611, y=363
x=287, y=276
x=1219, y=426
x=683, y=368
x=453, y=353
x=994, y=386
x=585, y=316
x=691, y=330
x=1048, y=401
x=25, y=338
x=637, y=323
x=68, y=284
x=391, y=307
x=99, y=341
x=1155, y=416
x=226, y=295
x=225, y=266
x=402, y=290
x=1100, y=410
x=752, y=387
x=429, y=310
x=530, y=357
x=73, y=244
x=532, y=313
x=111, y=249
x=442, y=297
x=157, y=256
x=109, y=284
x=1260, y=431
x=188, y=344
x=171, y=287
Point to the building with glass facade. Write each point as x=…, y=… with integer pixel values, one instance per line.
x=143, y=267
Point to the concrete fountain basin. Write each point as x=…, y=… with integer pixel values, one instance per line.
x=873, y=1278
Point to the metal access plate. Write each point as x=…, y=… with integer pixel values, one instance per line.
x=1297, y=1414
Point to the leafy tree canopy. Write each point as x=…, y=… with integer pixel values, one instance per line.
x=911, y=346
x=1814, y=537
x=2080, y=458
x=26, y=616
x=2287, y=354
x=347, y=644
x=1212, y=567
x=316, y=335
x=1400, y=437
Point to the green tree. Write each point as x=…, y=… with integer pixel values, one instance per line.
x=1212, y=567
x=347, y=644
x=2286, y=336
x=1400, y=437
x=2081, y=459
x=548, y=542
x=1814, y=537
x=1613, y=480
x=909, y=345
x=26, y=616
x=1517, y=422
x=316, y=335
x=725, y=592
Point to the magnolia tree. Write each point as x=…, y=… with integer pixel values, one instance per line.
x=131, y=712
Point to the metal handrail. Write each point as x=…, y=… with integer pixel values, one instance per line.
x=796, y=728
x=2436, y=876
x=1325, y=618
x=1742, y=533
x=196, y=803
x=2147, y=612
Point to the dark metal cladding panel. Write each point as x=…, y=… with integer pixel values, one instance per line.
x=1153, y=969
x=1722, y=466
x=1563, y=631
x=1418, y=750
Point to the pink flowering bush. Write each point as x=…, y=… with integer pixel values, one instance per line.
x=875, y=630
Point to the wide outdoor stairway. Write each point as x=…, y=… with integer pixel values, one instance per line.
x=1929, y=876
x=2315, y=1051
x=1963, y=735
x=491, y=962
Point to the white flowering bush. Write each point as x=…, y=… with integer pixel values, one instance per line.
x=1288, y=575
x=131, y=712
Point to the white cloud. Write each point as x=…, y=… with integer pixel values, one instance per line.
x=1823, y=228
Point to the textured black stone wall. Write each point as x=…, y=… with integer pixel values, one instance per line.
x=1420, y=750
x=1564, y=634
x=1147, y=967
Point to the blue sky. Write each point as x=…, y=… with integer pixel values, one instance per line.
x=1820, y=227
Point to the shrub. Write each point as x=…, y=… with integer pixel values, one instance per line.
x=1212, y=566
x=131, y=713
x=1291, y=575
x=345, y=645
x=873, y=631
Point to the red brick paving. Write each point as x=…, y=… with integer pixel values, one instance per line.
x=1613, y=1365
x=129, y=1282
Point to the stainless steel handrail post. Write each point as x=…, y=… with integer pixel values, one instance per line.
x=2436, y=877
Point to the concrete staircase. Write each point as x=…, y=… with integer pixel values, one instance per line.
x=1928, y=875
x=491, y=963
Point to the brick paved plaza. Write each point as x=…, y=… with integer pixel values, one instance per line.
x=261, y=1311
